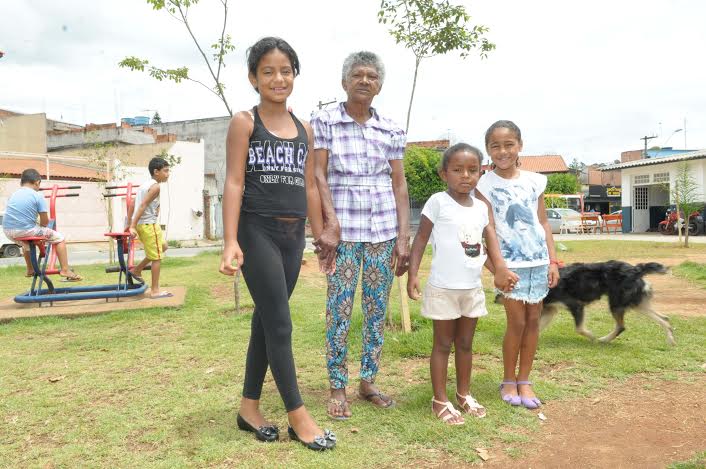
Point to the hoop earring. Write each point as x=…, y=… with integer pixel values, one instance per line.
x=517, y=163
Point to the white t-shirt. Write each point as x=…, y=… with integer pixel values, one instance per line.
x=514, y=202
x=457, y=241
x=149, y=216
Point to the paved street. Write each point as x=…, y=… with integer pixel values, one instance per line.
x=95, y=253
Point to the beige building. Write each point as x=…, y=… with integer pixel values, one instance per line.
x=24, y=133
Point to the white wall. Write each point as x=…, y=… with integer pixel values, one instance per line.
x=82, y=218
x=181, y=198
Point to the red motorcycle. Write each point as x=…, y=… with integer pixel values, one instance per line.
x=668, y=226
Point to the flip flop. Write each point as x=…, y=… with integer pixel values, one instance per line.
x=70, y=278
x=136, y=277
x=388, y=402
x=339, y=405
x=164, y=294
x=29, y=275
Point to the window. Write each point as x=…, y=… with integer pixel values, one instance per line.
x=640, y=201
x=641, y=179
x=660, y=177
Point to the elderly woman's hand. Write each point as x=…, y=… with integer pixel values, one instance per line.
x=329, y=239
x=400, y=256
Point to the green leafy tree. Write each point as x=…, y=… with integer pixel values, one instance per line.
x=687, y=195
x=156, y=119
x=562, y=183
x=431, y=28
x=179, y=10
x=421, y=168
x=577, y=167
x=172, y=160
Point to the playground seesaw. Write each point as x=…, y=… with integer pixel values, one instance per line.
x=43, y=259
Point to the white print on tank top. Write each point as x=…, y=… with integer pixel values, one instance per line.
x=276, y=156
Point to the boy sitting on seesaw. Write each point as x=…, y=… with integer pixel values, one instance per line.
x=20, y=221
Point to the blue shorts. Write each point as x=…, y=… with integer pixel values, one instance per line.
x=533, y=285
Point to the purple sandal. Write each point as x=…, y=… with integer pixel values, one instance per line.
x=529, y=402
x=512, y=400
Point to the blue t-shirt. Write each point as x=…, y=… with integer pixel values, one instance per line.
x=23, y=208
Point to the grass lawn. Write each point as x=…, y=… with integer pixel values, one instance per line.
x=160, y=387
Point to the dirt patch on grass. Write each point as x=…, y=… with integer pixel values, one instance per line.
x=676, y=296
x=642, y=423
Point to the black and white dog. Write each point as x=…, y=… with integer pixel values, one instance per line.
x=581, y=284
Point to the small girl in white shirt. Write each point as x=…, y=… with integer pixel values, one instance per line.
x=457, y=223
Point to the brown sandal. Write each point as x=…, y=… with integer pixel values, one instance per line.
x=387, y=401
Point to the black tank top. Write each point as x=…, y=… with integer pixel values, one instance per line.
x=274, y=172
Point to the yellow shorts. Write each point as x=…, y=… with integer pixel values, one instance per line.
x=151, y=238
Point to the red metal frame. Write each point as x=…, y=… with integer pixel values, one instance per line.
x=51, y=268
x=128, y=243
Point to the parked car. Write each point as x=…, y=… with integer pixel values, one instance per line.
x=571, y=218
x=7, y=247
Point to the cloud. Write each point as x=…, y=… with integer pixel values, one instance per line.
x=586, y=80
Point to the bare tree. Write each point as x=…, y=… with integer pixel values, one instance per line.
x=179, y=10
x=430, y=28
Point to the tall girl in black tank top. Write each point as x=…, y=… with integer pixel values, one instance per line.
x=269, y=191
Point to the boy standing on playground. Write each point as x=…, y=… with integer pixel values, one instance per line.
x=20, y=221
x=145, y=224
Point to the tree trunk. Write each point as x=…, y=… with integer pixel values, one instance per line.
x=236, y=291
x=676, y=203
x=417, y=60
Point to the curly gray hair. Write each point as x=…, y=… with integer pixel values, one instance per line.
x=364, y=58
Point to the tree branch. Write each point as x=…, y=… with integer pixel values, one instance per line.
x=208, y=63
x=223, y=33
x=209, y=89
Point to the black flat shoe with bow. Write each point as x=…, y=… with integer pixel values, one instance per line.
x=266, y=433
x=320, y=443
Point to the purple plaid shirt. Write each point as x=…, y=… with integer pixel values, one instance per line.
x=359, y=172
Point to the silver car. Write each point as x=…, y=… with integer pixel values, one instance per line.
x=569, y=218
x=7, y=248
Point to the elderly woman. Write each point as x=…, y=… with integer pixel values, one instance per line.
x=360, y=176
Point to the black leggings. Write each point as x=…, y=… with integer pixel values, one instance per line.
x=273, y=254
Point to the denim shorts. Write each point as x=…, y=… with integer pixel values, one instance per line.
x=533, y=285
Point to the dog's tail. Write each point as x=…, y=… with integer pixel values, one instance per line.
x=651, y=268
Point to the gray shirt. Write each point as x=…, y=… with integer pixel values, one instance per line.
x=150, y=215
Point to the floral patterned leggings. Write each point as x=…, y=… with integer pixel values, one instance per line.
x=377, y=280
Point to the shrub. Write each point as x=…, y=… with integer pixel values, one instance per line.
x=562, y=184
x=421, y=170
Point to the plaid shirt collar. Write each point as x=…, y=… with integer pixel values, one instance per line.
x=340, y=115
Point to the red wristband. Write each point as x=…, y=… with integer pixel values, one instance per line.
x=557, y=263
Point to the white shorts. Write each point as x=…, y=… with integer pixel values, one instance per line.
x=445, y=304
x=53, y=237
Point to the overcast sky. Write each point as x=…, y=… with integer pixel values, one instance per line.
x=586, y=80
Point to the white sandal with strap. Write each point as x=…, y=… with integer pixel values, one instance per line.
x=450, y=410
x=471, y=406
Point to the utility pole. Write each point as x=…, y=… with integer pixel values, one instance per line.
x=321, y=105
x=646, y=138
